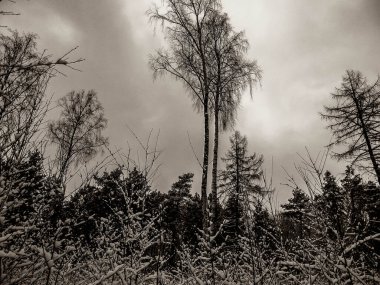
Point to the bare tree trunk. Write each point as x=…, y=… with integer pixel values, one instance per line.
x=214, y=205
x=214, y=186
x=237, y=193
x=205, y=166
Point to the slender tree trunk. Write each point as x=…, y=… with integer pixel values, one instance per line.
x=214, y=188
x=205, y=92
x=237, y=190
x=65, y=165
x=214, y=195
x=205, y=165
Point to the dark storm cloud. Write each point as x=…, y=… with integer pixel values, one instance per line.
x=304, y=47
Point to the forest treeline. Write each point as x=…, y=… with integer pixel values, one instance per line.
x=115, y=228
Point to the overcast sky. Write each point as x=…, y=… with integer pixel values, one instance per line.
x=303, y=47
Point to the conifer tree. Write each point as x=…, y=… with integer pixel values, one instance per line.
x=296, y=212
x=239, y=184
x=333, y=207
x=174, y=212
x=355, y=120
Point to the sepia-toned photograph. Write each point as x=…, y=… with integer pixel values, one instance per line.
x=189, y=142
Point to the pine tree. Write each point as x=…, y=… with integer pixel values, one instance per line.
x=173, y=215
x=296, y=215
x=264, y=229
x=192, y=219
x=362, y=208
x=331, y=204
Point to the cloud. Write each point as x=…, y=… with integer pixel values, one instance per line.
x=303, y=49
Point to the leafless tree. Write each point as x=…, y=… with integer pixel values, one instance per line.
x=186, y=60
x=78, y=131
x=24, y=75
x=231, y=74
x=21, y=94
x=355, y=120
